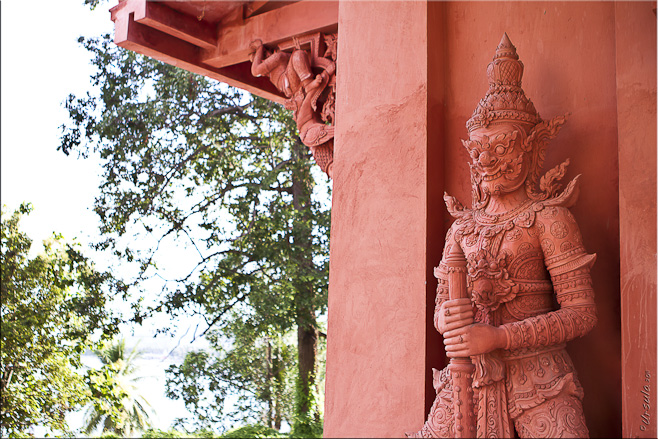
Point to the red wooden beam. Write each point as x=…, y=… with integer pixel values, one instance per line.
x=272, y=27
x=166, y=48
x=177, y=24
x=252, y=7
x=218, y=51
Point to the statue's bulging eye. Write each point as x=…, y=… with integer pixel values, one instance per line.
x=500, y=150
x=474, y=154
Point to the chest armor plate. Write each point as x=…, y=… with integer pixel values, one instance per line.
x=505, y=265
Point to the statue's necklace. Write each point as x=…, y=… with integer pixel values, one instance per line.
x=486, y=218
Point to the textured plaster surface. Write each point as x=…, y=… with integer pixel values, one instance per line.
x=594, y=60
x=376, y=342
x=636, y=104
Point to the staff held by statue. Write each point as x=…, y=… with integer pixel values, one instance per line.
x=461, y=368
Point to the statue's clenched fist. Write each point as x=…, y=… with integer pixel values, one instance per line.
x=473, y=340
x=454, y=314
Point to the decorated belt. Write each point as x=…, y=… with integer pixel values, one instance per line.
x=517, y=354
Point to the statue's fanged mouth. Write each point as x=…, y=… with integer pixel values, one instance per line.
x=486, y=177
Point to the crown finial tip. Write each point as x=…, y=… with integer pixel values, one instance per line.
x=505, y=48
x=505, y=41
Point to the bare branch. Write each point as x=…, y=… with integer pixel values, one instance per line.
x=235, y=109
x=207, y=258
x=177, y=344
x=281, y=165
x=193, y=243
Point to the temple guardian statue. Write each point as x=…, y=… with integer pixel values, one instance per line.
x=526, y=277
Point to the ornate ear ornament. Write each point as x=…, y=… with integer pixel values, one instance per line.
x=505, y=100
x=536, y=142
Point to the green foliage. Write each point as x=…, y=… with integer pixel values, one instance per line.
x=171, y=433
x=258, y=369
x=106, y=396
x=307, y=427
x=252, y=431
x=53, y=307
x=306, y=423
x=116, y=406
x=203, y=433
x=188, y=158
x=190, y=161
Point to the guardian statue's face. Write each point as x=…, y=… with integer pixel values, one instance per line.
x=498, y=160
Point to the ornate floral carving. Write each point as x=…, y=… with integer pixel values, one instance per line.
x=307, y=77
x=536, y=231
x=559, y=229
x=441, y=422
x=524, y=253
x=514, y=235
x=561, y=257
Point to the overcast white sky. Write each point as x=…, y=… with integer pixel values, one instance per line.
x=41, y=64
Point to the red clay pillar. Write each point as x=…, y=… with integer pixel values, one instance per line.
x=378, y=289
x=635, y=26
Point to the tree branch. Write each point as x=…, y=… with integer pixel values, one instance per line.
x=226, y=309
x=234, y=109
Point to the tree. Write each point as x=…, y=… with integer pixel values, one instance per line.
x=131, y=412
x=189, y=159
x=258, y=369
x=53, y=307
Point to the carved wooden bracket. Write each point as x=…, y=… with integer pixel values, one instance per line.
x=212, y=38
x=304, y=70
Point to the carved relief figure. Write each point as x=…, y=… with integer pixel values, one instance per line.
x=293, y=75
x=527, y=275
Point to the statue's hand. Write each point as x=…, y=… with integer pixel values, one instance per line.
x=254, y=45
x=475, y=339
x=253, y=48
x=455, y=314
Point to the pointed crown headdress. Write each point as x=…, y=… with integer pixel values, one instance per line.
x=505, y=100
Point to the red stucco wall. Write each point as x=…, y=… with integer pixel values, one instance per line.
x=377, y=300
x=635, y=29
x=397, y=149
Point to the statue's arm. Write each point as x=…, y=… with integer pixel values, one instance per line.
x=569, y=266
x=326, y=64
x=262, y=65
x=257, y=61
